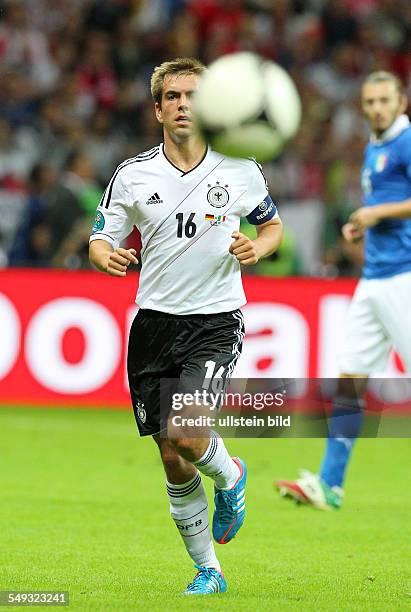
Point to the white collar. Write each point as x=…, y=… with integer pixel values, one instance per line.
x=400, y=124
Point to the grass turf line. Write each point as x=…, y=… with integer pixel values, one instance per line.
x=83, y=509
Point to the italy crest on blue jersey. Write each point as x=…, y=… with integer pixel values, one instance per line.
x=386, y=177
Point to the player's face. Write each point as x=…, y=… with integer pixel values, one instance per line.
x=382, y=104
x=175, y=109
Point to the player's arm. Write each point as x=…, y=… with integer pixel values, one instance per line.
x=113, y=222
x=368, y=216
x=248, y=251
x=111, y=261
x=264, y=217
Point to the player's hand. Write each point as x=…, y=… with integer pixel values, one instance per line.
x=351, y=232
x=119, y=260
x=364, y=217
x=244, y=249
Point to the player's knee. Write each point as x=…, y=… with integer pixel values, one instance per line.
x=169, y=456
x=171, y=462
x=184, y=445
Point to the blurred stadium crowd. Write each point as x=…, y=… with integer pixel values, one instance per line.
x=74, y=102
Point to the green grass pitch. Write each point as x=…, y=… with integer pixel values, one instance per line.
x=83, y=509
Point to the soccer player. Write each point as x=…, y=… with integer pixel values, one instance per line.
x=187, y=201
x=379, y=314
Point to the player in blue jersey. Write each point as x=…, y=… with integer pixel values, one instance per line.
x=379, y=315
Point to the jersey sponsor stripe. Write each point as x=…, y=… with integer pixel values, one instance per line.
x=154, y=232
x=134, y=160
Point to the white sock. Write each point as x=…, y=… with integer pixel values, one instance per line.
x=189, y=509
x=217, y=463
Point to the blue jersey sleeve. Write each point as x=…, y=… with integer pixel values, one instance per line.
x=407, y=159
x=264, y=212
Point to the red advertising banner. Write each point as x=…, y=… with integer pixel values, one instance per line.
x=63, y=335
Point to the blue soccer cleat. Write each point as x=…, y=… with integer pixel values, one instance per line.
x=229, y=504
x=206, y=582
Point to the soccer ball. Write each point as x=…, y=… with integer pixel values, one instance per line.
x=246, y=106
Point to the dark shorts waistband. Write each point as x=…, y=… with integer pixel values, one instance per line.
x=157, y=314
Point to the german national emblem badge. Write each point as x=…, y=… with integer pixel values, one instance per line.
x=218, y=195
x=141, y=413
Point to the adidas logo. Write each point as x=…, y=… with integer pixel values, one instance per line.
x=155, y=199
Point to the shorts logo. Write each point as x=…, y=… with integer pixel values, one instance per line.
x=141, y=413
x=218, y=195
x=99, y=222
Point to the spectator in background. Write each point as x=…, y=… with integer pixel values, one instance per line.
x=338, y=78
x=339, y=24
x=32, y=243
x=55, y=225
x=17, y=105
x=18, y=151
x=104, y=15
x=22, y=48
x=95, y=74
x=127, y=52
x=105, y=145
x=79, y=179
x=14, y=166
x=67, y=205
x=55, y=16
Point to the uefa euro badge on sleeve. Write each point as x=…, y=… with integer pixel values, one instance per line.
x=99, y=222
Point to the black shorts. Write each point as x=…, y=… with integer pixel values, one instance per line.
x=179, y=348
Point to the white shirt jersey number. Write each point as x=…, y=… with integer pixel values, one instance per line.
x=186, y=220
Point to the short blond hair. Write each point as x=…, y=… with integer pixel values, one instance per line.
x=380, y=76
x=180, y=65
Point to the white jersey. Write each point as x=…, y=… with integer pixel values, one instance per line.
x=186, y=220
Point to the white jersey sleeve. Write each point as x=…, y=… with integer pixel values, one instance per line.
x=258, y=206
x=115, y=214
